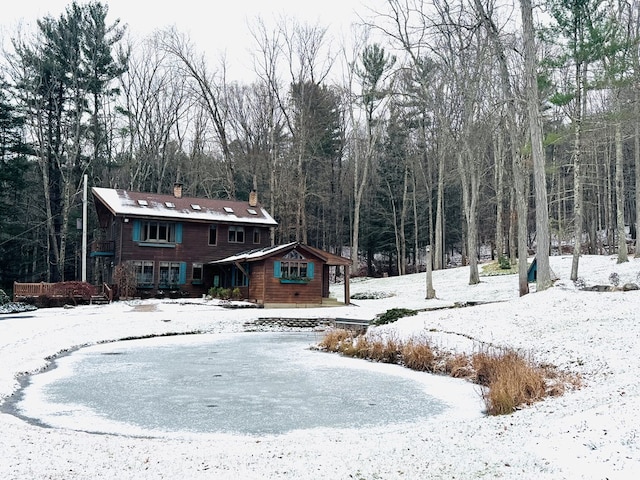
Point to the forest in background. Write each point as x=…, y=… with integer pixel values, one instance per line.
x=451, y=124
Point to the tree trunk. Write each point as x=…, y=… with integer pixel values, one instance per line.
x=514, y=142
x=403, y=220
x=499, y=163
x=622, y=236
x=438, y=257
x=543, y=275
x=636, y=155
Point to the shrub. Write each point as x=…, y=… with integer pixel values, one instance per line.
x=220, y=292
x=236, y=294
x=125, y=277
x=614, y=278
x=4, y=298
x=78, y=289
x=504, y=263
x=392, y=315
x=371, y=295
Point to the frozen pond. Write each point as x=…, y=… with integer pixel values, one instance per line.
x=244, y=383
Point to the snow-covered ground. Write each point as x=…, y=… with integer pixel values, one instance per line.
x=591, y=433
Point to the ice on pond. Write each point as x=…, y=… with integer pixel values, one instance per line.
x=245, y=383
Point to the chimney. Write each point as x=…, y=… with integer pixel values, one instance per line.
x=253, y=198
x=177, y=190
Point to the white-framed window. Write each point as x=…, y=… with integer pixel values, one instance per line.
x=236, y=234
x=144, y=273
x=169, y=274
x=256, y=235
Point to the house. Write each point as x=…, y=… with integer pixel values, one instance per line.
x=169, y=240
x=293, y=274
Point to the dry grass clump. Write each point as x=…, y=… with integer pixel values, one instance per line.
x=377, y=349
x=418, y=355
x=336, y=340
x=458, y=366
x=512, y=380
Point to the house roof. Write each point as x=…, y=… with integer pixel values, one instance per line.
x=262, y=253
x=140, y=204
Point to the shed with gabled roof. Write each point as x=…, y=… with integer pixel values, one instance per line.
x=293, y=274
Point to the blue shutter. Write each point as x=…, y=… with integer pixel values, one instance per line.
x=178, y=233
x=136, y=230
x=183, y=273
x=276, y=269
x=310, y=270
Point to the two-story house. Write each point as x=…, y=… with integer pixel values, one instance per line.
x=170, y=240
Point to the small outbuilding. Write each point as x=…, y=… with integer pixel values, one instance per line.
x=290, y=275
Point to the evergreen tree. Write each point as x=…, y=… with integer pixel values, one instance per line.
x=13, y=189
x=62, y=71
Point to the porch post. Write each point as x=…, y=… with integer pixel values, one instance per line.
x=347, y=295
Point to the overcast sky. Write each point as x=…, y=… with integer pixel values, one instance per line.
x=216, y=27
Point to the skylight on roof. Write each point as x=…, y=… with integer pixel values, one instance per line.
x=195, y=206
x=228, y=209
x=143, y=203
x=252, y=211
x=169, y=204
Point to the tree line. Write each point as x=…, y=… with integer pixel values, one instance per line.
x=449, y=124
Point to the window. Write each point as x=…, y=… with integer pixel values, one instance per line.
x=256, y=235
x=293, y=269
x=196, y=273
x=169, y=274
x=144, y=273
x=158, y=232
x=236, y=234
x=213, y=235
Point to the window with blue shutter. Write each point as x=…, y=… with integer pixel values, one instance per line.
x=294, y=271
x=153, y=233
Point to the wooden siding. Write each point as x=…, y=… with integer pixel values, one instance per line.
x=194, y=248
x=292, y=293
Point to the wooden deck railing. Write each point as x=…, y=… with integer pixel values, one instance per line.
x=103, y=246
x=24, y=290
x=107, y=292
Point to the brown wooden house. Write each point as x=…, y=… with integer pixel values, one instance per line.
x=286, y=275
x=168, y=241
